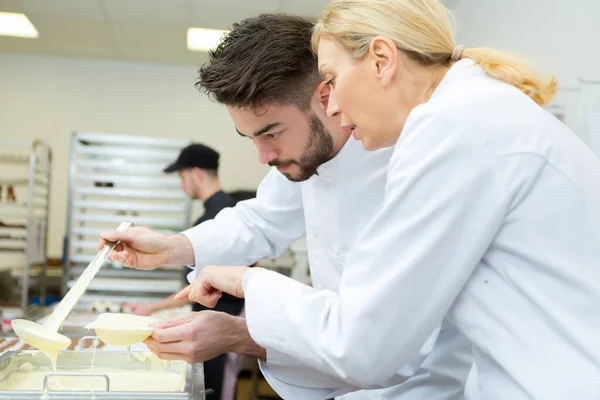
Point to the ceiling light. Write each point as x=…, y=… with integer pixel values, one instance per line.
x=15, y=24
x=199, y=39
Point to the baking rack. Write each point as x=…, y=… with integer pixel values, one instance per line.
x=24, y=203
x=113, y=178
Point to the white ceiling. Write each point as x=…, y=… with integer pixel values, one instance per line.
x=141, y=30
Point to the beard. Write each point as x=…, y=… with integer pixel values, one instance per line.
x=318, y=151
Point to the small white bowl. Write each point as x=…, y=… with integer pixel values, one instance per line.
x=118, y=329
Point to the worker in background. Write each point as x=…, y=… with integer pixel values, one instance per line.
x=323, y=184
x=198, y=168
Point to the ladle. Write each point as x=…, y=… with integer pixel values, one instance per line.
x=46, y=337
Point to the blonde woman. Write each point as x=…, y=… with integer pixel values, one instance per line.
x=491, y=216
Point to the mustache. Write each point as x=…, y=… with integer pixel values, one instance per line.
x=279, y=163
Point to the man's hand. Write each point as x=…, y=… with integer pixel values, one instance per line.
x=201, y=336
x=143, y=248
x=207, y=288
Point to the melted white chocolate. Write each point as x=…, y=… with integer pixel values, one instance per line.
x=49, y=342
x=121, y=380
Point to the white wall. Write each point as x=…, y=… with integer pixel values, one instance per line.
x=561, y=36
x=558, y=36
x=50, y=97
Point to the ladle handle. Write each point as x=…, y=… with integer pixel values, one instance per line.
x=63, y=309
x=110, y=246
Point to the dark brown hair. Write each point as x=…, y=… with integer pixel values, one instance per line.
x=263, y=60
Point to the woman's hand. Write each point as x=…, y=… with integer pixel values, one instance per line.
x=208, y=287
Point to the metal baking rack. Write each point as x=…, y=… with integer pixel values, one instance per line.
x=24, y=203
x=113, y=178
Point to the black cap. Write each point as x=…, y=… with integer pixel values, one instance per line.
x=195, y=155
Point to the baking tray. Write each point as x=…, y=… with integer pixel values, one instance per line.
x=78, y=363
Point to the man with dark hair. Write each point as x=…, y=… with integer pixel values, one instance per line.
x=198, y=168
x=323, y=185
x=252, y=70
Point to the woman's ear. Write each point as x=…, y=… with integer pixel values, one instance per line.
x=384, y=55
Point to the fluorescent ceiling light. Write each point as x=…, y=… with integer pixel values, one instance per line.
x=199, y=39
x=15, y=24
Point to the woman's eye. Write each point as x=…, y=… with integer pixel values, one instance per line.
x=330, y=82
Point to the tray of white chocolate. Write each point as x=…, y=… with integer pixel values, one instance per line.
x=98, y=375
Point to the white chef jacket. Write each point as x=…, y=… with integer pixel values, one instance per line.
x=331, y=208
x=491, y=216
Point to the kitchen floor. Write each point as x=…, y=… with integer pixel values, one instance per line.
x=246, y=390
x=252, y=385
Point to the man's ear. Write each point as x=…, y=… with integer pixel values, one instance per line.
x=199, y=174
x=322, y=93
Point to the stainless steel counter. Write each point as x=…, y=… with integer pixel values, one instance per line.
x=80, y=362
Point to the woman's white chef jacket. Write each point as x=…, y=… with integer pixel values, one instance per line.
x=492, y=217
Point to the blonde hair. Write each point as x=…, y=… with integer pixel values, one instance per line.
x=423, y=30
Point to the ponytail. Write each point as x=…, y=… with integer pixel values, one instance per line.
x=515, y=71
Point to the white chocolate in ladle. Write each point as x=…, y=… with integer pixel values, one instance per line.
x=46, y=337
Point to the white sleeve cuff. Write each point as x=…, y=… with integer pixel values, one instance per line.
x=196, y=238
x=293, y=380
x=261, y=317
x=193, y=274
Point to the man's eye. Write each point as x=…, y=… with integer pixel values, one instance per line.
x=273, y=135
x=330, y=82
